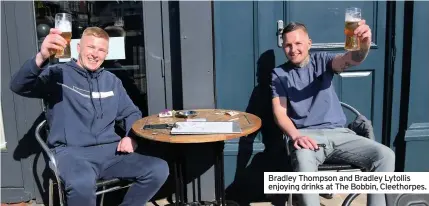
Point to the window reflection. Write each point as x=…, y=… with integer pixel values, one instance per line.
x=119, y=19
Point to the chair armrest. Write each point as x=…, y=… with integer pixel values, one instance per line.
x=45, y=147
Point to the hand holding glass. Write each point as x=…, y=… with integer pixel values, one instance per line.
x=63, y=22
x=353, y=16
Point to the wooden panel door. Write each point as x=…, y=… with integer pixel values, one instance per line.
x=246, y=50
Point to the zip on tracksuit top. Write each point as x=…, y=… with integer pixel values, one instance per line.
x=82, y=106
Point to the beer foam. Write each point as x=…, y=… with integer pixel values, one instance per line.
x=64, y=26
x=351, y=18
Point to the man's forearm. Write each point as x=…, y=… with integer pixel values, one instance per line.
x=29, y=81
x=287, y=126
x=130, y=120
x=39, y=60
x=360, y=55
x=351, y=58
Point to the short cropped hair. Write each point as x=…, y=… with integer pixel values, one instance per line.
x=292, y=26
x=96, y=32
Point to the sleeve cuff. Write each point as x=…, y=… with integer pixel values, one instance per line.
x=36, y=70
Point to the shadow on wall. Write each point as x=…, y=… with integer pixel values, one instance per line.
x=247, y=185
x=28, y=146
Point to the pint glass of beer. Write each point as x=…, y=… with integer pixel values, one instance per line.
x=63, y=22
x=353, y=16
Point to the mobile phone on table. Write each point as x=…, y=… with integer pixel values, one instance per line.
x=157, y=126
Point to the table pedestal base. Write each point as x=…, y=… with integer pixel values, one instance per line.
x=219, y=174
x=180, y=181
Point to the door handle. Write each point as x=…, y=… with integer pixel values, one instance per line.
x=280, y=33
x=355, y=74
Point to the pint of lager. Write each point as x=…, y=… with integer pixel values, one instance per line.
x=353, y=16
x=63, y=22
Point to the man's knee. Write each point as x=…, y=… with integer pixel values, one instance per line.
x=387, y=155
x=304, y=160
x=159, y=171
x=385, y=159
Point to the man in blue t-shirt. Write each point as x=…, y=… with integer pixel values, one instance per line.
x=307, y=109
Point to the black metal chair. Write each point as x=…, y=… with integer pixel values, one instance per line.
x=103, y=186
x=327, y=166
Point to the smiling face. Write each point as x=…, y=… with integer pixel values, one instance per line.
x=93, y=49
x=296, y=45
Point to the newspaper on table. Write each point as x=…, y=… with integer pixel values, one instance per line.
x=206, y=128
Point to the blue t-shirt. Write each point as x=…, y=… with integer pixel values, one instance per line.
x=311, y=99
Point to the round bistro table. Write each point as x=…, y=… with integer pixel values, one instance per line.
x=249, y=124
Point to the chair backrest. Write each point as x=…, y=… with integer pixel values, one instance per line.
x=38, y=133
x=352, y=109
x=42, y=142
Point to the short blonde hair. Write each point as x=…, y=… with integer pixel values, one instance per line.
x=96, y=32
